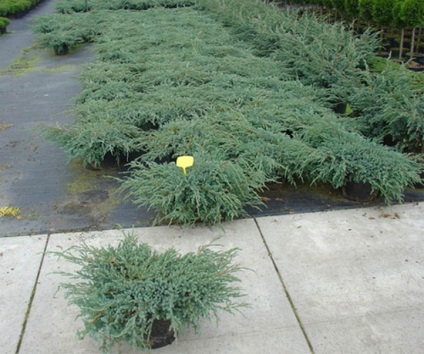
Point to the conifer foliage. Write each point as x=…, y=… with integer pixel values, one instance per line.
x=380, y=14
x=122, y=290
x=9, y=8
x=246, y=89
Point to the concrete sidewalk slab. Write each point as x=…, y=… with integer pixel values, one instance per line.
x=20, y=260
x=269, y=326
x=356, y=277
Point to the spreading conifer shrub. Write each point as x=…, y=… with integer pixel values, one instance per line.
x=93, y=141
x=318, y=149
x=121, y=291
x=10, y=8
x=346, y=158
x=166, y=83
x=136, y=83
x=72, y=6
x=213, y=190
x=311, y=49
x=3, y=24
x=389, y=107
x=63, y=32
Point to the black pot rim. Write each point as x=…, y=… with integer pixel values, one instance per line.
x=359, y=192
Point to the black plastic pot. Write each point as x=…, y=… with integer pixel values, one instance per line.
x=61, y=49
x=340, y=108
x=162, y=335
x=420, y=184
x=358, y=192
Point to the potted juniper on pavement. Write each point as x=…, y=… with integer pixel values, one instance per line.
x=3, y=25
x=132, y=293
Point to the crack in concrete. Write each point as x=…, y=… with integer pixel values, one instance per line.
x=280, y=277
x=31, y=299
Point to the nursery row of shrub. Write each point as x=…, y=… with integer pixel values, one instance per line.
x=317, y=53
x=10, y=8
x=313, y=51
x=72, y=6
x=62, y=32
x=399, y=22
x=394, y=13
x=387, y=106
x=171, y=82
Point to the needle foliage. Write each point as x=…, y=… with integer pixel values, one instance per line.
x=214, y=189
x=3, y=23
x=72, y=6
x=9, y=8
x=312, y=50
x=387, y=105
x=121, y=290
x=390, y=107
x=219, y=81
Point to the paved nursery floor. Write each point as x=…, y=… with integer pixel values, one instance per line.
x=352, y=279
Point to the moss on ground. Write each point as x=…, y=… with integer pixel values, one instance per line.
x=26, y=62
x=90, y=195
x=29, y=61
x=4, y=126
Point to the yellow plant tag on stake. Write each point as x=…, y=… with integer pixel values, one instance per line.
x=184, y=162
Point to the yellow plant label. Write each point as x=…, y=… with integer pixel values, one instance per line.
x=184, y=162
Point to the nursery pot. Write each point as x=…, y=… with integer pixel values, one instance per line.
x=61, y=49
x=420, y=184
x=340, y=108
x=358, y=191
x=161, y=334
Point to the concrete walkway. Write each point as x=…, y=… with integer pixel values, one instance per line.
x=348, y=281
x=36, y=90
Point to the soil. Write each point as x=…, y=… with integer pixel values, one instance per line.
x=161, y=335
